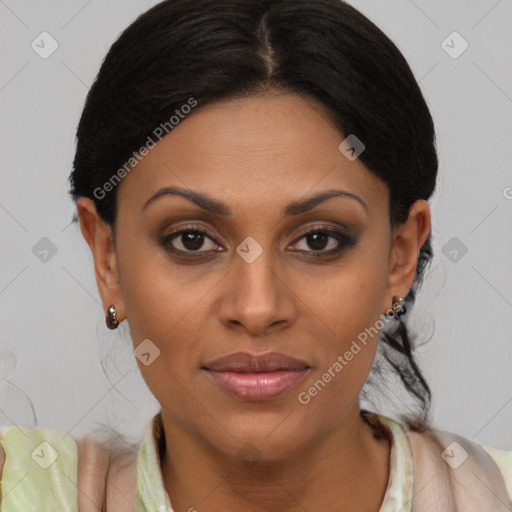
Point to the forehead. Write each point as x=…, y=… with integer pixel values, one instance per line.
x=260, y=150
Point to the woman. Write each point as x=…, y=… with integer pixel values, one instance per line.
x=252, y=180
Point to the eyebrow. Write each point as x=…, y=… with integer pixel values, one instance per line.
x=219, y=208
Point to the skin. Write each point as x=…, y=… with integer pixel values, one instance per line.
x=258, y=154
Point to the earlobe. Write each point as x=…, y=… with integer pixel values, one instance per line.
x=98, y=235
x=408, y=239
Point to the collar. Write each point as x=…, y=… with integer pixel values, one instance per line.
x=151, y=495
x=398, y=495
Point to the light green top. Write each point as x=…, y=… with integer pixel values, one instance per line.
x=40, y=471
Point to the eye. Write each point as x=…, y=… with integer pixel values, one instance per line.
x=189, y=239
x=319, y=238
x=193, y=239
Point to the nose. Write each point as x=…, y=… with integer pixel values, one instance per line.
x=257, y=295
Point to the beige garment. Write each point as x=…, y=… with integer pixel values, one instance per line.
x=444, y=472
x=106, y=476
x=474, y=486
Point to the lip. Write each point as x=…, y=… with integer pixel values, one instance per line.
x=245, y=362
x=256, y=377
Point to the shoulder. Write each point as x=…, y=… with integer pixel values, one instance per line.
x=464, y=471
x=107, y=470
x=503, y=459
x=102, y=466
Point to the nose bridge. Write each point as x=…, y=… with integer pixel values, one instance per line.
x=258, y=297
x=254, y=269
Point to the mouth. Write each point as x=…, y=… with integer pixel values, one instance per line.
x=258, y=377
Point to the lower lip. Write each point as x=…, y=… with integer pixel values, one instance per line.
x=257, y=386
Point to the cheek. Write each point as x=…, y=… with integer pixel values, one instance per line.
x=334, y=386
x=158, y=296
x=348, y=309
x=169, y=314
x=351, y=296
x=165, y=306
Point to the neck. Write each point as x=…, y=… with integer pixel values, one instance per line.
x=347, y=470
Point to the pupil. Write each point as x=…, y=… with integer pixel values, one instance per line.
x=193, y=240
x=316, y=236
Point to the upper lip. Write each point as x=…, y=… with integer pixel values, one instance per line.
x=245, y=362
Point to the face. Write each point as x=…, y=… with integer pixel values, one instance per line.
x=253, y=275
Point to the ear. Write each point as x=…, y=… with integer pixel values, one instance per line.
x=99, y=236
x=406, y=244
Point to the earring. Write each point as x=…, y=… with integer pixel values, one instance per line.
x=398, y=306
x=111, y=321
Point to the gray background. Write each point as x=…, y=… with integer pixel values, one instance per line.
x=50, y=313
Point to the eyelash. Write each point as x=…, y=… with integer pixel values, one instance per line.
x=344, y=241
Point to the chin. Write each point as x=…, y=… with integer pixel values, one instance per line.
x=258, y=436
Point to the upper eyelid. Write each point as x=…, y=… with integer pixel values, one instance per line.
x=193, y=227
x=307, y=229
x=323, y=227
